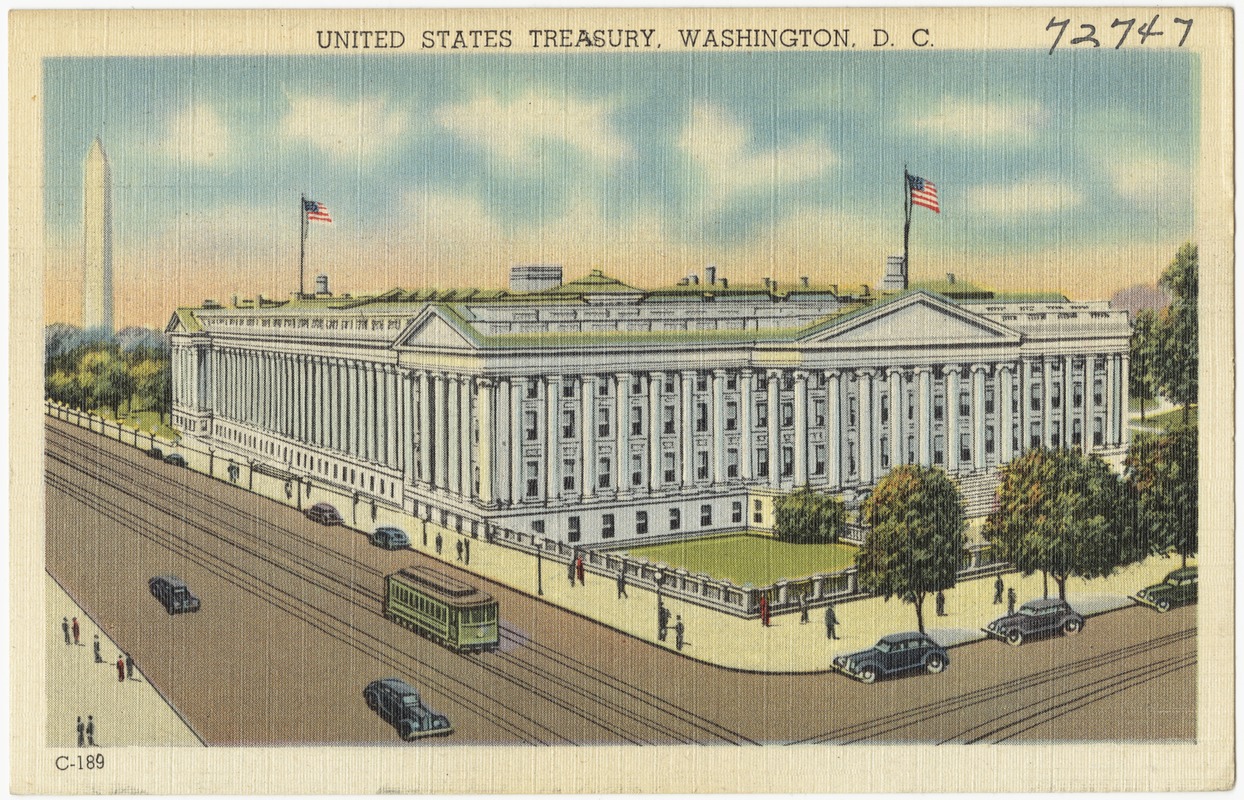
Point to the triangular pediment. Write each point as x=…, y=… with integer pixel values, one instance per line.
x=174, y=324
x=437, y=329
x=913, y=320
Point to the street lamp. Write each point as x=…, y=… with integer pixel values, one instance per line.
x=539, y=567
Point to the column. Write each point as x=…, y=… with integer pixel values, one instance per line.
x=1112, y=402
x=506, y=443
x=1090, y=373
x=408, y=428
x=1064, y=421
x=801, y=428
x=746, y=400
x=833, y=428
x=518, y=440
x=1006, y=419
x=978, y=416
x=552, y=455
x=775, y=428
x=656, y=383
x=924, y=415
x=371, y=419
x=621, y=430
x=719, y=427
x=426, y=389
x=453, y=442
x=441, y=398
x=466, y=472
x=1047, y=419
x=484, y=458
x=895, y=432
x=588, y=385
x=1125, y=433
x=1025, y=404
x=687, y=430
x=952, y=417
x=864, y=385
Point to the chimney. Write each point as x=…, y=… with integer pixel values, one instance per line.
x=767, y=282
x=894, y=279
x=710, y=274
x=803, y=280
x=235, y=301
x=833, y=287
x=725, y=283
x=693, y=279
x=321, y=284
x=950, y=278
x=863, y=290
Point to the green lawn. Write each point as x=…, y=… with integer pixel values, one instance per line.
x=145, y=421
x=750, y=558
x=1168, y=419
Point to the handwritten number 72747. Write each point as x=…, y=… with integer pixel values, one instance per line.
x=1089, y=32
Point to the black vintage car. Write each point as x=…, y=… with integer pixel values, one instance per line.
x=397, y=703
x=1177, y=589
x=173, y=593
x=1036, y=618
x=325, y=514
x=897, y=652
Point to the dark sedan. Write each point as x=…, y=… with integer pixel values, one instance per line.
x=1036, y=618
x=325, y=514
x=892, y=654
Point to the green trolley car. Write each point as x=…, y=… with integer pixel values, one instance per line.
x=442, y=608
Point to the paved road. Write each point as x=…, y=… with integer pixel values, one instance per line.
x=291, y=630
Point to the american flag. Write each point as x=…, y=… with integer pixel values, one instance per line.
x=316, y=212
x=923, y=193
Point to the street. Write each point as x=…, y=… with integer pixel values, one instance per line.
x=291, y=630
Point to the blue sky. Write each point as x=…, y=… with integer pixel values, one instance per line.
x=1073, y=173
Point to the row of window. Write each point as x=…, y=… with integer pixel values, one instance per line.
x=608, y=527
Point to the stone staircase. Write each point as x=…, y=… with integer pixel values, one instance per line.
x=978, y=490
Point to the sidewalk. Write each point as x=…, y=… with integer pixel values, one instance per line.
x=126, y=713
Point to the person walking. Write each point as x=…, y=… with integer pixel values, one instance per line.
x=803, y=608
x=466, y=551
x=998, y=586
x=941, y=603
x=831, y=622
x=439, y=542
x=75, y=630
x=663, y=620
x=764, y=611
x=64, y=626
x=120, y=669
x=578, y=568
x=459, y=548
x=1010, y=600
x=90, y=730
x=129, y=666
x=622, y=584
x=81, y=731
x=679, y=630
x=99, y=659
x=570, y=572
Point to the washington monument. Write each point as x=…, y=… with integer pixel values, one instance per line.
x=96, y=239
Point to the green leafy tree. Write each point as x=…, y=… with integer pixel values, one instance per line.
x=1142, y=380
x=1062, y=513
x=1161, y=474
x=1176, y=367
x=916, y=537
x=808, y=517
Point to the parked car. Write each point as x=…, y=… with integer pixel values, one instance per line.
x=173, y=593
x=397, y=703
x=176, y=459
x=1036, y=618
x=390, y=538
x=325, y=514
x=897, y=652
x=1177, y=589
x=156, y=453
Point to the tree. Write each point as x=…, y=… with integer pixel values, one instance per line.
x=808, y=517
x=1176, y=367
x=916, y=537
x=1142, y=382
x=1161, y=475
x=1062, y=513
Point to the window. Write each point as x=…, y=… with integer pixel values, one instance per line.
x=818, y=460
x=989, y=445
x=533, y=389
x=606, y=526
x=604, y=473
x=701, y=417
x=911, y=405
x=762, y=462
x=762, y=414
x=701, y=382
x=1015, y=438
x=701, y=465
x=732, y=382
x=568, y=424
x=989, y=400
x=641, y=522
x=675, y=519
x=1056, y=396
x=637, y=470
x=567, y=388
x=531, y=426
x=788, y=462
x=911, y=449
x=1034, y=435
x=706, y=516
x=758, y=512
x=1077, y=433
x=1077, y=395
x=533, y=481
x=852, y=410
x=788, y=414
x=670, y=475
x=732, y=462
x=736, y=512
x=669, y=384
x=939, y=450
x=1097, y=387
x=884, y=449
x=602, y=387
x=1035, y=401
x=637, y=386
x=573, y=531
x=964, y=408
x=818, y=412
x=637, y=421
x=602, y=422
x=965, y=447
x=1098, y=436
x=732, y=416
x=1055, y=435
x=884, y=401
x=851, y=465
x=568, y=474
x=667, y=417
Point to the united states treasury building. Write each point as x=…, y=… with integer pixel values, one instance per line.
x=593, y=411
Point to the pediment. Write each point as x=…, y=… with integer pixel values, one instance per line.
x=435, y=329
x=913, y=321
x=174, y=324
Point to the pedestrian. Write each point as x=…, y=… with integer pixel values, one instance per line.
x=466, y=551
x=831, y=622
x=99, y=659
x=764, y=610
x=1010, y=600
x=425, y=534
x=941, y=603
x=570, y=572
x=679, y=630
x=75, y=630
x=120, y=669
x=459, y=548
x=129, y=666
x=439, y=541
x=64, y=626
x=578, y=568
x=803, y=608
x=663, y=620
x=998, y=586
x=90, y=730
x=81, y=734
x=622, y=584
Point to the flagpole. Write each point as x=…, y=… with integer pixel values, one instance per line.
x=906, y=220
x=302, y=245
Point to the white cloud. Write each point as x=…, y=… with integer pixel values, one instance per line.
x=1146, y=178
x=197, y=135
x=961, y=118
x=519, y=129
x=720, y=146
x=1015, y=199
x=344, y=129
